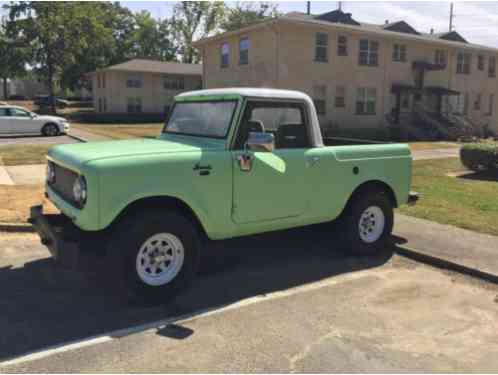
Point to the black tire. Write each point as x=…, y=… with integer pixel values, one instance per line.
x=50, y=130
x=132, y=233
x=358, y=243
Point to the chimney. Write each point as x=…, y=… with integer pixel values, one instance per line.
x=432, y=31
x=387, y=22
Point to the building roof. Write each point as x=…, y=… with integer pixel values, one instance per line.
x=398, y=29
x=250, y=92
x=153, y=66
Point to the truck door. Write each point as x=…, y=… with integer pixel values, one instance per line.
x=275, y=186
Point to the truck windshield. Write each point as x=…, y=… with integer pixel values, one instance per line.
x=202, y=119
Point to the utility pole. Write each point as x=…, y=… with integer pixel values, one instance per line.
x=308, y=4
x=451, y=16
x=340, y=5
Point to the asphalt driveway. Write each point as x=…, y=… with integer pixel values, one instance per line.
x=286, y=301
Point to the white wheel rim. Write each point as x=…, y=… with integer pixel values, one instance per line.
x=371, y=225
x=160, y=259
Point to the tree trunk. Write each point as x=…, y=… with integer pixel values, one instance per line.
x=5, y=88
x=51, y=88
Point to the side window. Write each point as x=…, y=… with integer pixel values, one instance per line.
x=18, y=112
x=4, y=112
x=285, y=120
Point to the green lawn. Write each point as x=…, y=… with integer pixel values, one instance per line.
x=463, y=202
x=23, y=154
x=123, y=131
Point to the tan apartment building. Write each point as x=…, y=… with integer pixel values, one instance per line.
x=361, y=76
x=142, y=86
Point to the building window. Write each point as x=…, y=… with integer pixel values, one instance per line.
x=103, y=81
x=492, y=67
x=321, y=106
x=321, y=47
x=340, y=97
x=100, y=104
x=440, y=58
x=405, y=100
x=134, y=81
x=173, y=83
x=480, y=62
x=105, y=103
x=463, y=63
x=244, y=51
x=134, y=105
x=98, y=81
x=399, y=52
x=477, y=103
x=342, y=45
x=225, y=55
x=369, y=53
x=366, y=101
x=491, y=104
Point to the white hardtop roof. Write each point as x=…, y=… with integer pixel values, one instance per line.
x=250, y=92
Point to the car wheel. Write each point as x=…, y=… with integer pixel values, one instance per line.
x=368, y=223
x=50, y=130
x=159, y=255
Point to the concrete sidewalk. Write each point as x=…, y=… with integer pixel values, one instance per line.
x=463, y=248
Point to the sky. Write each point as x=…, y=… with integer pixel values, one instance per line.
x=476, y=21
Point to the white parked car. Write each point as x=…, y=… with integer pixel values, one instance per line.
x=18, y=120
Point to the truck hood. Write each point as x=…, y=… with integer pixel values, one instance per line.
x=81, y=153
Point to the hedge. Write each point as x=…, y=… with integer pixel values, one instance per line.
x=480, y=156
x=118, y=118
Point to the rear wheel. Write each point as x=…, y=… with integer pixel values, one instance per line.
x=50, y=130
x=368, y=223
x=158, y=255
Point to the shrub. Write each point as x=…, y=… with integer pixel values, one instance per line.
x=118, y=118
x=480, y=156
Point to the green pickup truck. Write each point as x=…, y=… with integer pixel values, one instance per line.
x=229, y=163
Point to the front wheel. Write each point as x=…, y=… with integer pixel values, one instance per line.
x=50, y=130
x=159, y=255
x=368, y=223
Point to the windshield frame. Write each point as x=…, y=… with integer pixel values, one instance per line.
x=230, y=123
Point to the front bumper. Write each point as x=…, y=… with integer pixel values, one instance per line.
x=67, y=244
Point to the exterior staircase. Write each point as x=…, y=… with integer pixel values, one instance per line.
x=424, y=124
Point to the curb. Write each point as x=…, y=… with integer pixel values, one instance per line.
x=18, y=228
x=445, y=264
x=80, y=139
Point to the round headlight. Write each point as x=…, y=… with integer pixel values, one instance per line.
x=50, y=173
x=79, y=190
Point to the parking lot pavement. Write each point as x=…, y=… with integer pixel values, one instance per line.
x=35, y=140
x=280, y=302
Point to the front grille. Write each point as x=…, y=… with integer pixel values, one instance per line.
x=64, y=181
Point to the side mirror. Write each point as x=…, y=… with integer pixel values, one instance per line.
x=263, y=142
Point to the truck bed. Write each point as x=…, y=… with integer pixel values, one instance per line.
x=341, y=141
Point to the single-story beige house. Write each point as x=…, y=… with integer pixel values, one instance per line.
x=142, y=86
x=361, y=75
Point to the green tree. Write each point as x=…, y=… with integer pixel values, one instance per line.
x=151, y=38
x=62, y=34
x=14, y=55
x=246, y=13
x=193, y=20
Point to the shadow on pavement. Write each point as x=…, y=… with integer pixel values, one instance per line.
x=43, y=305
x=481, y=176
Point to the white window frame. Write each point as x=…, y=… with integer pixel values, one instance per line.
x=370, y=52
x=399, y=52
x=223, y=63
x=321, y=44
x=463, y=62
x=364, y=96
